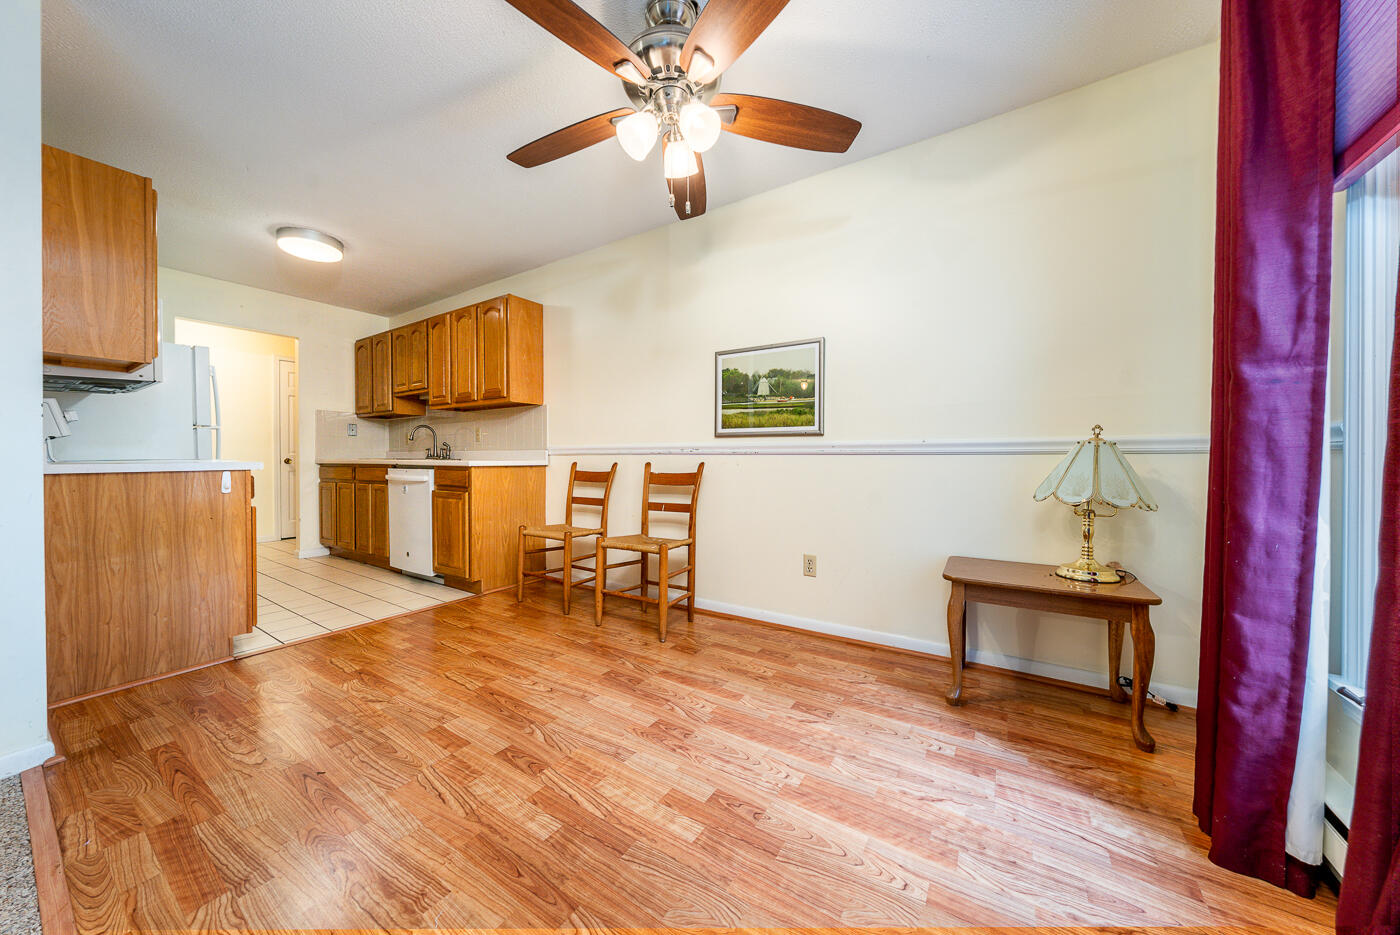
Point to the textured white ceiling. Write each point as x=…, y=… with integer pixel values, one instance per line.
x=387, y=123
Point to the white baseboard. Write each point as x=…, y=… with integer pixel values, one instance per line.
x=1177, y=693
x=313, y=553
x=20, y=760
x=1334, y=850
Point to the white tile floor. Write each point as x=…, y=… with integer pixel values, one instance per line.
x=301, y=597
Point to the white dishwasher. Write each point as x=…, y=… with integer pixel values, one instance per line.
x=411, y=520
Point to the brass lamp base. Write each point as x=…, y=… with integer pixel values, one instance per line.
x=1089, y=570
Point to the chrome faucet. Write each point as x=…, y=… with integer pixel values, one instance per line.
x=432, y=453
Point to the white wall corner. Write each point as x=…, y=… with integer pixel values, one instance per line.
x=18, y=761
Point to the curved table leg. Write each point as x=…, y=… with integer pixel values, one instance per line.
x=1115, y=661
x=957, y=634
x=1144, y=648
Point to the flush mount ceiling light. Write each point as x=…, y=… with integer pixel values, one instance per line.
x=671, y=75
x=311, y=245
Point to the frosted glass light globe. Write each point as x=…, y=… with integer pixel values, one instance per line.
x=678, y=160
x=637, y=134
x=700, y=124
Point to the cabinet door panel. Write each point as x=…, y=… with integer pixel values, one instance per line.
x=345, y=514
x=463, y=335
x=328, y=513
x=417, y=379
x=382, y=370
x=400, y=340
x=379, y=520
x=439, y=330
x=493, y=350
x=363, y=506
x=450, y=532
x=364, y=378
x=99, y=264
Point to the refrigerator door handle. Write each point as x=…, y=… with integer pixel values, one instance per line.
x=218, y=420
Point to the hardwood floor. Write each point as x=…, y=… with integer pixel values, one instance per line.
x=486, y=765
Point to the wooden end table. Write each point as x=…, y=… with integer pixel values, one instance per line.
x=1037, y=587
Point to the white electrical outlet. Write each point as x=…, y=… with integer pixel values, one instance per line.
x=352, y=428
x=809, y=566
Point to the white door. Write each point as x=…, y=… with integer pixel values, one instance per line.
x=287, y=448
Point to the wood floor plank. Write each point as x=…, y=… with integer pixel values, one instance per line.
x=485, y=764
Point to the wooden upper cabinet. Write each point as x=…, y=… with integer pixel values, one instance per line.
x=439, y=332
x=493, y=349
x=411, y=358
x=381, y=374
x=463, y=372
x=486, y=355
x=375, y=379
x=480, y=356
x=99, y=264
x=364, y=378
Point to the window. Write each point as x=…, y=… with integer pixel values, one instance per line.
x=1372, y=257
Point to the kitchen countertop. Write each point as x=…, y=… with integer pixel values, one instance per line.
x=471, y=459
x=146, y=467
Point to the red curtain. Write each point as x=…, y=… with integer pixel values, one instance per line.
x=1272, y=308
x=1371, y=890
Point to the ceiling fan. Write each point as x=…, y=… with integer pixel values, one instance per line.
x=671, y=75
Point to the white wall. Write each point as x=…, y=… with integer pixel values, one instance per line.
x=246, y=364
x=24, y=738
x=1024, y=277
x=325, y=337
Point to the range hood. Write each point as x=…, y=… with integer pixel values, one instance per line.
x=59, y=379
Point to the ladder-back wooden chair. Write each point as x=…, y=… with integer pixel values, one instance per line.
x=566, y=532
x=647, y=545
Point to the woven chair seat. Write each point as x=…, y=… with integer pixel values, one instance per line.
x=559, y=530
x=650, y=544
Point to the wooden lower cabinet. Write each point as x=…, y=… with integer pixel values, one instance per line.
x=379, y=521
x=451, y=548
x=355, y=512
x=476, y=513
x=328, y=513
x=372, y=519
x=145, y=575
x=345, y=514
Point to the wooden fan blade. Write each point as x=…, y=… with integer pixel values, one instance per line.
x=724, y=30
x=581, y=32
x=695, y=194
x=571, y=139
x=788, y=124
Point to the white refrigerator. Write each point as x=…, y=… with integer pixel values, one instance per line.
x=176, y=419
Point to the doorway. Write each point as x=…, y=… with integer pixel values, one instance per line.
x=286, y=448
x=256, y=376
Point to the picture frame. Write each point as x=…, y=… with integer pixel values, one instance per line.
x=771, y=389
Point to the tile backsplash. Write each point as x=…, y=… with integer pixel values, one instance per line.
x=499, y=429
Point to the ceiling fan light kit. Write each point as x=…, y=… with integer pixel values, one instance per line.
x=678, y=159
x=637, y=134
x=670, y=73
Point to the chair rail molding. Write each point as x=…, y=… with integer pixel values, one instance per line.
x=1136, y=444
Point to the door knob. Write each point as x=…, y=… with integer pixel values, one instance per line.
x=286, y=460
